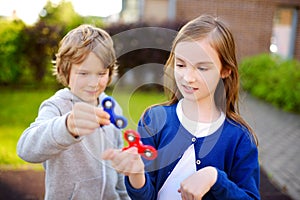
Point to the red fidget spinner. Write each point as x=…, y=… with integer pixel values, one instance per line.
x=134, y=140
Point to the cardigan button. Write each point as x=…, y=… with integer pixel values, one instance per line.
x=198, y=162
x=194, y=139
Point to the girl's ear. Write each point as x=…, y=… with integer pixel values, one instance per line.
x=225, y=72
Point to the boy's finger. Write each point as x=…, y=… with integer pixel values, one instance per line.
x=101, y=113
x=103, y=121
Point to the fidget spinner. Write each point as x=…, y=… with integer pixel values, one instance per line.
x=108, y=105
x=134, y=140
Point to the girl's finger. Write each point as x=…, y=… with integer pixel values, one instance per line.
x=108, y=154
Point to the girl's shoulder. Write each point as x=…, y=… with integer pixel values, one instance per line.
x=237, y=130
x=232, y=124
x=158, y=114
x=160, y=109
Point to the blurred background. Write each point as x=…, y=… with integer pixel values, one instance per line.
x=30, y=30
x=267, y=35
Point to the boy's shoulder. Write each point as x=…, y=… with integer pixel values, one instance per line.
x=61, y=100
x=61, y=96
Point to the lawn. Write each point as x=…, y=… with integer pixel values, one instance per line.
x=19, y=108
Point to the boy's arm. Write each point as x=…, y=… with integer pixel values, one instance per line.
x=46, y=136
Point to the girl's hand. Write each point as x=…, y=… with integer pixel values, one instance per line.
x=85, y=118
x=129, y=163
x=198, y=184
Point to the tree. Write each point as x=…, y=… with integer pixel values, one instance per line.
x=40, y=44
x=11, y=57
x=26, y=52
x=41, y=40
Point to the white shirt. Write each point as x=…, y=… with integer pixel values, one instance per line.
x=186, y=165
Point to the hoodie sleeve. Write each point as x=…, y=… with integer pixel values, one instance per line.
x=46, y=136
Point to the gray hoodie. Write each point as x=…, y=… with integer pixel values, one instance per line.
x=74, y=169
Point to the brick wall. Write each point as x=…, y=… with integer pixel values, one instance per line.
x=297, y=45
x=251, y=21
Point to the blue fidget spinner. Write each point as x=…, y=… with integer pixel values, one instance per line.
x=108, y=105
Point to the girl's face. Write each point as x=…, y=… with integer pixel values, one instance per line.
x=197, y=70
x=89, y=79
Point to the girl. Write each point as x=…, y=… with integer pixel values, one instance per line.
x=205, y=149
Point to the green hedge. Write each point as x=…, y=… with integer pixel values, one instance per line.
x=273, y=79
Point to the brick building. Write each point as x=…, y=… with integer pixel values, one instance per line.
x=257, y=25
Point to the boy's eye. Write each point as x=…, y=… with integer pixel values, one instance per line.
x=82, y=73
x=103, y=73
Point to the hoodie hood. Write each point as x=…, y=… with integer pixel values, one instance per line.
x=67, y=95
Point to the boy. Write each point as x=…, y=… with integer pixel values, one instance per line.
x=71, y=130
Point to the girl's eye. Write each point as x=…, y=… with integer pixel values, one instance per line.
x=82, y=73
x=201, y=68
x=179, y=65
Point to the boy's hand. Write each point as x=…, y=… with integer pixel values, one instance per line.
x=129, y=163
x=85, y=118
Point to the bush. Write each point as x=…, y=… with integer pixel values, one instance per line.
x=10, y=56
x=273, y=79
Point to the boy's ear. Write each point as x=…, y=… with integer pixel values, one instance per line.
x=225, y=72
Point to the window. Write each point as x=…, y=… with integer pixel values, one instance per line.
x=284, y=32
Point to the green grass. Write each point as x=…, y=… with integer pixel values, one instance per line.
x=19, y=108
x=134, y=105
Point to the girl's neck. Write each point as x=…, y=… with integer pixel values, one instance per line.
x=205, y=112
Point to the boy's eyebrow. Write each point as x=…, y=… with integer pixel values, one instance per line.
x=81, y=69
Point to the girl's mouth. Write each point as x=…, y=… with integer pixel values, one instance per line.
x=189, y=89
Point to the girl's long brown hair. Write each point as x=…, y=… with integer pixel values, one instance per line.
x=220, y=38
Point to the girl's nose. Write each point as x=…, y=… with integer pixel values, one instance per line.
x=189, y=75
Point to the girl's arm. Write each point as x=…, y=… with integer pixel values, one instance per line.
x=129, y=163
x=198, y=184
x=241, y=181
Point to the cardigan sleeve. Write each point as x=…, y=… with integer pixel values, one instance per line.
x=243, y=180
x=148, y=191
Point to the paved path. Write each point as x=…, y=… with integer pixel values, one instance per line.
x=279, y=142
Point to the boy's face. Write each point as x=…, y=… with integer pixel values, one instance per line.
x=89, y=79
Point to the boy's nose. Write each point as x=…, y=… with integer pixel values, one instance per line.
x=94, y=80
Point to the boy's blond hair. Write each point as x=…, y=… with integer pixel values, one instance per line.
x=75, y=47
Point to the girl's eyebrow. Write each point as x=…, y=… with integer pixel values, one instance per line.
x=177, y=58
x=196, y=64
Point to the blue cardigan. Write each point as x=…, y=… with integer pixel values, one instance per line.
x=230, y=150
